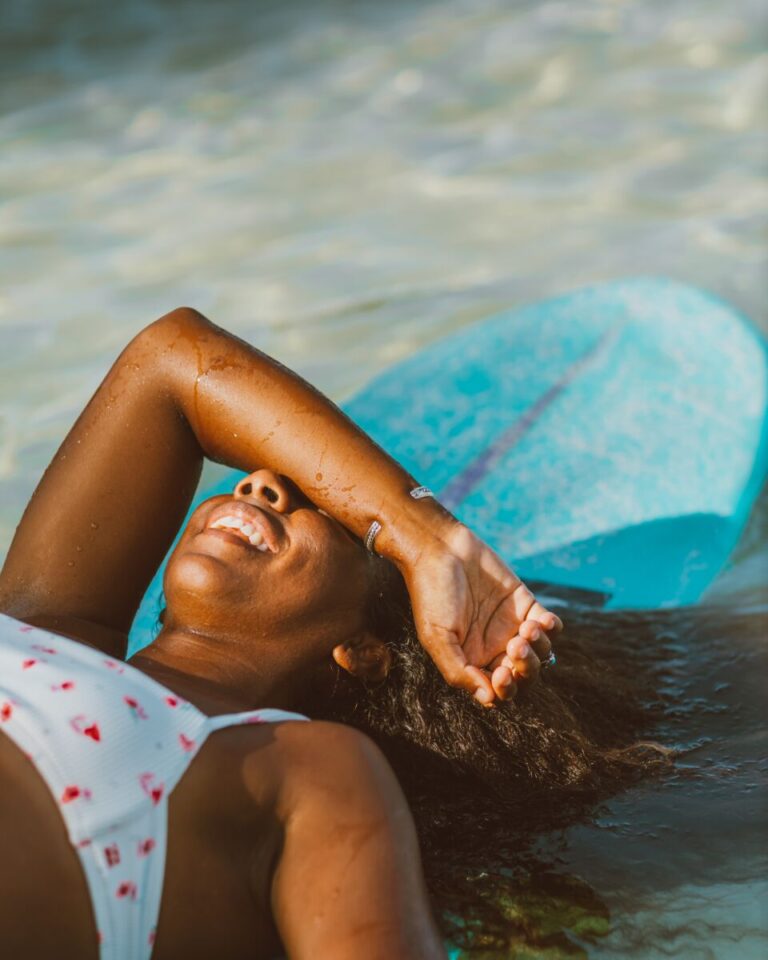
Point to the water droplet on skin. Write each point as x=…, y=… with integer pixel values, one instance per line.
x=318, y=477
x=94, y=525
x=70, y=563
x=79, y=548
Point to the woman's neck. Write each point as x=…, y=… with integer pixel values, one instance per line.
x=217, y=677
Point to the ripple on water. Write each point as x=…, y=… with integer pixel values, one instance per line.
x=344, y=184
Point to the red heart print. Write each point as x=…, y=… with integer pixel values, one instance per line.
x=154, y=792
x=81, y=725
x=93, y=732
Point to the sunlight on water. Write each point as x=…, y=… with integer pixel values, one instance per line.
x=342, y=183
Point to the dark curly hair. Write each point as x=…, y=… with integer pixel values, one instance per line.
x=482, y=783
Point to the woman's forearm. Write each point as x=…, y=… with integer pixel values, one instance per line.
x=111, y=501
x=248, y=411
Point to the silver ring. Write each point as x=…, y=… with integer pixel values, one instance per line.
x=550, y=661
x=370, y=536
x=418, y=493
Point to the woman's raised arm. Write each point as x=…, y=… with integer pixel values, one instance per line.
x=114, y=495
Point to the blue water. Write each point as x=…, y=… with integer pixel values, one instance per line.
x=344, y=182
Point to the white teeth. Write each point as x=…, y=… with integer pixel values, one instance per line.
x=227, y=522
x=254, y=536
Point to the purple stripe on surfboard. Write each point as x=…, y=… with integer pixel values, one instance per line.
x=461, y=486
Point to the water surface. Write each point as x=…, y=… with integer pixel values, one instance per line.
x=343, y=182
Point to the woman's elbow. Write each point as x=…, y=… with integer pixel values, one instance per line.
x=181, y=321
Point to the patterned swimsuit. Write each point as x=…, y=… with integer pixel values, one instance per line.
x=111, y=744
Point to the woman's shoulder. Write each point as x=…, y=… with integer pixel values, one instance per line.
x=281, y=764
x=301, y=746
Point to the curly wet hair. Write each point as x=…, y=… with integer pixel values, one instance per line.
x=482, y=783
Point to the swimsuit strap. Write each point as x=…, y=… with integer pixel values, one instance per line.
x=251, y=716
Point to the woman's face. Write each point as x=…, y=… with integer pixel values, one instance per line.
x=264, y=565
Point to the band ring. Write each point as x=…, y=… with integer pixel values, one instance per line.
x=550, y=661
x=370, y=536
x=418, y=493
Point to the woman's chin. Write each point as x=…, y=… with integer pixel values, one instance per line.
x=203, y=580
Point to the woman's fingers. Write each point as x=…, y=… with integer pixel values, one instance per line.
x=529, y=608
x=541, y=644
x=451, y=661
x=524, y=663
x=503, y=682
x=531, y=632
x=478, y=683
x=520, y=661
x=548, y=620
x=526, y=651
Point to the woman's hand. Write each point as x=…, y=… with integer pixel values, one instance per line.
x=185, y=389
x=480, y=624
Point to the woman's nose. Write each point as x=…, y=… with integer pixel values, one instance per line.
x=269, y=486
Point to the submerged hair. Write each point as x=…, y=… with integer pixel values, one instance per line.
x=482, y=783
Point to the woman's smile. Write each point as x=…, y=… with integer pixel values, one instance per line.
x=237, y=537
x=243, y=523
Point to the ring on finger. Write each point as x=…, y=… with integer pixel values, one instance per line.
x=549, y=661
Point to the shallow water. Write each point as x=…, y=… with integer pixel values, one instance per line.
x=681, y=864
x=341, y=183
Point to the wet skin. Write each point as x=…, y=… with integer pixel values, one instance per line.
x=310, y=843
x=235, y=874
x=246, y=626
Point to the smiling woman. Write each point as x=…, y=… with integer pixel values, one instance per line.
x=281, y=835
x=269, y=580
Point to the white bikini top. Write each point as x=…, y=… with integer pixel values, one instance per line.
x=106, y=737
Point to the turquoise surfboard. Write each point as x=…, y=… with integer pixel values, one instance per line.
x=608, y=443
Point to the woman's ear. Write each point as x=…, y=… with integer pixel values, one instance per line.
x=366, y=658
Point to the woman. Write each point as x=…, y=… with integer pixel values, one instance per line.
x=282, y=835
